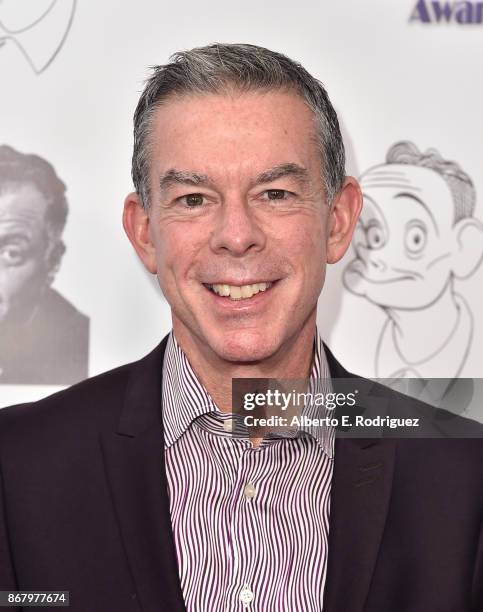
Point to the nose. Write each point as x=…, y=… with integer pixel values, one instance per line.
x=372, y=259
x=377, y=264
x=237, y=230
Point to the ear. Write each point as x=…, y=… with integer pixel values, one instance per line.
x=343, y=215
x=468, y=248
x=54, y=257
x=136, y=223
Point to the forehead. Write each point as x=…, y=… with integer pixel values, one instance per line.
x=397, y=177
x=21, y=203
x=233, y=131
x=392, y=186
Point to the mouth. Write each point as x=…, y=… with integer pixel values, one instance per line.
x=357, y=267
x=384, y=281
x=238, y=293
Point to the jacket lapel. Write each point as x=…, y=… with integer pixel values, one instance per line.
x=361, y=490
x=134, y=461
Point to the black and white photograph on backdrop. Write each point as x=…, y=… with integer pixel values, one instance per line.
x=44, y=339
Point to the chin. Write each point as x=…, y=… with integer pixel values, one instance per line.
x=403, y=296
x=245, y=346
x=388, y=301
x=392, y=303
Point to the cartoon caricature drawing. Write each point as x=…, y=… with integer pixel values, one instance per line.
x=38, y=28
x=417, y=233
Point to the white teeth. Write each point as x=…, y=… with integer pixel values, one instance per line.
x=239, y=293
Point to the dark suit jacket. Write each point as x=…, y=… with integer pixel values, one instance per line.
x=84, y=506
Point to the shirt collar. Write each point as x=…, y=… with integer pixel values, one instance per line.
x=186, y=400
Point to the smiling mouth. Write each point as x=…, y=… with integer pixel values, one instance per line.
x=385, y=281
x=239, y=292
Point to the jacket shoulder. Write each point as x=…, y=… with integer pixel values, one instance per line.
x=88, y=407
x=95, y=401
x=445, y=419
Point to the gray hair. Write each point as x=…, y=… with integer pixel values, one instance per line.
x=217, y=68
x=459, y=183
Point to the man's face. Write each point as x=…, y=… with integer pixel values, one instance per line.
x=404, y=239
x=237, y=204
x=22, y=247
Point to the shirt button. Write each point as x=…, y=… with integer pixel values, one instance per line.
x=246, y=596
x=228, y=425
x=249, y=490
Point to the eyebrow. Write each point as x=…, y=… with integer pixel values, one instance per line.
x=14, y=235
x=185, y=177
x=380, y=176
x=405, y=194
x=282, y=170
x=390, y=182
x=182, y=177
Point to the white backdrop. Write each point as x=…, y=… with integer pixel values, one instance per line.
x=390, y=79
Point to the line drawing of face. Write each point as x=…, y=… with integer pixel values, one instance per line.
x=19, y=15
x=231, y=226
x=38, y=29
x=23, y=240
x=404, y=241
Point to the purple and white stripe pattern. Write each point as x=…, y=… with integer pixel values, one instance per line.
x=250, y=524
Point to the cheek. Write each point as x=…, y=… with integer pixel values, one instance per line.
x=176, y=250
x=418, y=264
x=20, y=280
x=437, y=261
x=305, y=246
x=430, y=262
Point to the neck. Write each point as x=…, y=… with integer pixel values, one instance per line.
x=411, y=324
x=292, y=360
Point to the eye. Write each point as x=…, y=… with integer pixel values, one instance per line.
x=375, y=236
x=276, y=194
x=192, y=200
x=13, y=255
x=415, y=238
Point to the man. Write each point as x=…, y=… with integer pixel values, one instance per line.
x=417, y=233
x=129, y=490
x=43, y=338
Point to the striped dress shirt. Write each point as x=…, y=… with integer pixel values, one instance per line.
x=250, y=524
